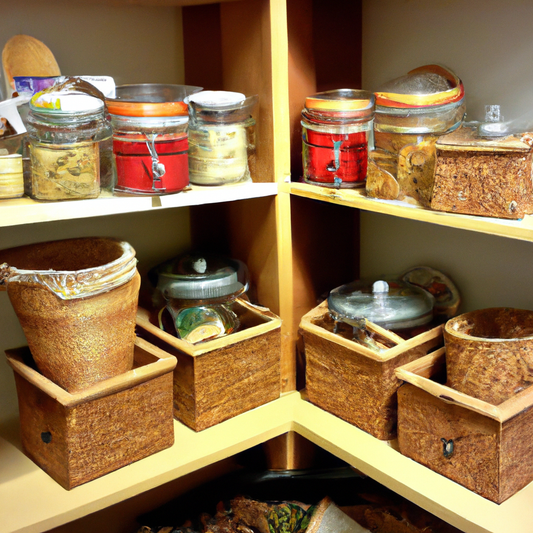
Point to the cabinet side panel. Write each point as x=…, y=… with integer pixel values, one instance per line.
x=202, y=46
x=247, y=68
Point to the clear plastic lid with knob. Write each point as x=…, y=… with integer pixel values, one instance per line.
x=391, y=304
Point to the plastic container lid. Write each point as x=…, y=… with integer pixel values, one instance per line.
x=217, y=98
x=391, y=304
x=58, y=103
x=150, y=100
x=220, y=106
x=200, y=277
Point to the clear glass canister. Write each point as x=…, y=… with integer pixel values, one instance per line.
x=412, y=112
x=197, y=292
x=150, y=139
x=335, y=131
x=391, y=304
x=221, y=137
x=150, y=154
x=64, y=147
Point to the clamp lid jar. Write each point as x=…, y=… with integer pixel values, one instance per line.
x=411, y=113
x=150, y=144
x=335, y=130
x=221, y=137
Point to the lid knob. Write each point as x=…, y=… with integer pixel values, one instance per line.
x=380, y=286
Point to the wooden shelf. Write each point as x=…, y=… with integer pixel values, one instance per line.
x=356, y=198
x=27, y=211
x=24, y=486
x=435, y=493
x=52, y=505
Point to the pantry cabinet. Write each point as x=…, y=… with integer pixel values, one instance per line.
x=298, y=240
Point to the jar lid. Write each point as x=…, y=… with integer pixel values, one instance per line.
x=220, y=106
x=217, y=98
x=341, y=100
x=427, y=86
x=59, y=103
x=150, y=100
x=392, y=304
x=200, y=277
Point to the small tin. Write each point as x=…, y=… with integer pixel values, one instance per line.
x=336, y=126
x=11, y=176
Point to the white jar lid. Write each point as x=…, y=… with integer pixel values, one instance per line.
x=65, y=102
x=217, y=98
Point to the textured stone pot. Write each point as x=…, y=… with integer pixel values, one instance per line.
x=489, y=353
x=76, y=300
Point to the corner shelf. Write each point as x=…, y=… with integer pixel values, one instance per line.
x=53, y=506
x=356, y=198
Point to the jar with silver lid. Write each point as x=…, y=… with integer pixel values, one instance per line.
x=197, y=292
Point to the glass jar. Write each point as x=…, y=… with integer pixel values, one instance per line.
x=335, y=131
x=150, y=143
x=64, y=147
x=412, y=112
x=198, y=292
x=150, y=154
x=221, y=137
x=392, y=304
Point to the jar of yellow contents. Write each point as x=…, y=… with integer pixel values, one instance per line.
x=221, y=137
x=64, y=132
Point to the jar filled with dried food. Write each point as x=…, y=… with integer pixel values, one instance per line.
x=221, y=137
x=412, y=112
x=336, y=126
x=64, y=134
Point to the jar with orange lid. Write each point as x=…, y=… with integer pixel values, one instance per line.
x=150, y=137
x=336, y=126
x=412, y=112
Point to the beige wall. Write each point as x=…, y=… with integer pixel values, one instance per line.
x=489, y=44
x=133, y=44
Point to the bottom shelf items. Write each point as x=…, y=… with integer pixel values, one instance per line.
x=37, y=503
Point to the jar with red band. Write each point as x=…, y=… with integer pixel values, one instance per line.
x=150, y=142
x=335, y=131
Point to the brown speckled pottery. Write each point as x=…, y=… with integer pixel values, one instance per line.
x=80, y=341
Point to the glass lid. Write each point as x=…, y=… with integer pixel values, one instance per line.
x=200, y=277
x=391, y=304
